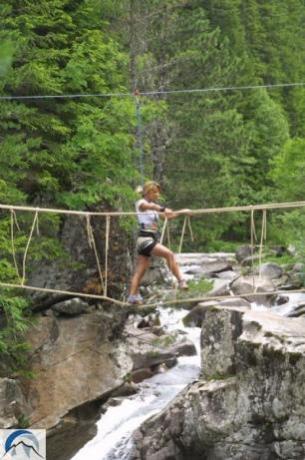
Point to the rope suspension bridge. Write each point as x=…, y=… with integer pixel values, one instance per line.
x=103, y=278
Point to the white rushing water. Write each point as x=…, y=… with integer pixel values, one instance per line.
x=293, y=301
x=115, y=428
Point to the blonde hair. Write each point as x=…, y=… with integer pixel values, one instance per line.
x=147, y=187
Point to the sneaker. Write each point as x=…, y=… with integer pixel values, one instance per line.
x=183, y=285
x=135, y=299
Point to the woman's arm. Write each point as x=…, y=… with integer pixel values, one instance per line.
x=150, y=205
x=165, y=212
x=170, y=214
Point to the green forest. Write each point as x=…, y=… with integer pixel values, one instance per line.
x=206, y=97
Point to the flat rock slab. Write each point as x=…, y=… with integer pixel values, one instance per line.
x=286, y=334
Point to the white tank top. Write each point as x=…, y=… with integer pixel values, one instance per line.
x=147, y=219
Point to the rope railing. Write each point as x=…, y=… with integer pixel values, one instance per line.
x=107, y=215
x=194, y=212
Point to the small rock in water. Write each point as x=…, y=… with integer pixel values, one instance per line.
x=281, y=300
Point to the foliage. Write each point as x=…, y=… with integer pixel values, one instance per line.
x=199, y=287
x=13, y=348
x=288, y=170
x=292, y=227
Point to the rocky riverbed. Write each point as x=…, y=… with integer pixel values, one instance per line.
x=114, y=349
x=249, y=400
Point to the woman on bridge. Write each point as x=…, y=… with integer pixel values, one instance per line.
x=148, y=212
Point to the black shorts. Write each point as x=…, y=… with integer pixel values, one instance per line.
x=145, y=243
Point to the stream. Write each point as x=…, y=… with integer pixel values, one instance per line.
x=115, y=428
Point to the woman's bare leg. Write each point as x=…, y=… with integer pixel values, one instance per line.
x=141, y=267
x=162, y=251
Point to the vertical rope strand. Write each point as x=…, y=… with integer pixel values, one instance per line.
x=27, y=247
x=168, y=235
x=190, y=227
x=92, y=245
x=182, y=235
x=263, y=239
x=253, y=238
x=163, y=230
x=13, y=220
x=106, y=254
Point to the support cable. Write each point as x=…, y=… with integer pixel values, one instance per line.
x=155, y=93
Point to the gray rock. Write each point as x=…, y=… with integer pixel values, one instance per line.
x=254, y=289
x=71, y=307
x=235, y=302
x=295, y=280
x=271, y=270
x=193, y=270
x=216, y=267
x=69, y=353
x=226, y=275
x=298, y=267
x=13, y=406
x=150, y=358
x=222, y=290
x=196, y=315
x=184, y=348
x=148, y=350
x=243, y=252
x=127, y=389
x=250, y=260
x=281, y=300
x=139, y=375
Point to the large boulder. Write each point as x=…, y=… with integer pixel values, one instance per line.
x=249, y=402
x=74, y=361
